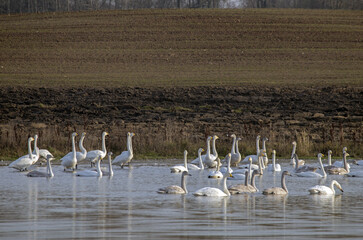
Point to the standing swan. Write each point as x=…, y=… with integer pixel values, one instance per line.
x=25, y=161
x=217, y=173
x=48, y=173
x=274, y=167
x=265, y=158
x=215, y=192
x=79, y=155
x=126, y=156
x=179, y=168
x=92, y=156
x=213, y=155
x=277, y=190
x=201, y=165
x=91, y=173
x=71, y=162
x=174, y=189
x=324, y=190
x=314, y=174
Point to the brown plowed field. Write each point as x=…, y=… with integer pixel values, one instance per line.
x=175, y=76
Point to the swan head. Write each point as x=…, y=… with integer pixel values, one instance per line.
x=233, y=135
x=74, y=134
x=250, y=159
x=294, y=143
x=35, y=136
x=258, y=137
x=286, y=173
x=83, y=134
x=215, y=137
x=330, y=152
x=345, y=149
x=185, y=173
x=346, y=154
x=185, y=153
x=200, y=150
x=50, y=157
x=209, y=138
x=239, y=139
x=104, y=133
x=274, y=151
x=334, y=182
x=265, y=139
x=110, y=154
x=320, y=155
x=30, y=139
x=262, y=153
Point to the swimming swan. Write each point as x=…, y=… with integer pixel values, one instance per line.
x=245, y=188
x=254, y=157
x=276, y=190
x=126, y=156
x=110, y=170
x=201, y=165
x=93, y=156
x=314, y=174
x=71, y=162
x=174, y=189
x=217, y=173
x=215, y=192
x=324, y=190
x=48, y=173
x=25, y=161
x=304, y=168
x=274, y=167
x=179, y=168
x=91, y=173
x=340, y=170
x=340, y=164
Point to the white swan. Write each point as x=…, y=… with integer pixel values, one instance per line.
x=246, y=168
x=48, y=173
x=340, y=170
x=215, y=192
x=91, y=173
x=324, y=190
x=340, y=164
x=293, y=161
x=179, y=168
x=254, y=157
x=274, y=167
x=314, y=174
x=201, y=165
x=71, y=162
x=126, y=156
x=304, y=168
x=217, y=173
x=174, y=189
x=265, y=158
x=110, y=170
x=93, y=155
x=277, y=190
x=235, y=155
x=25, y=161
x=210, y=159
x=79, y=155
x=245, y=188
x=213, y=155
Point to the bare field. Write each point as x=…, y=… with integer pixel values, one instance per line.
x=182, y=48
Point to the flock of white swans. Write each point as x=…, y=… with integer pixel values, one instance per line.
x=245, y=170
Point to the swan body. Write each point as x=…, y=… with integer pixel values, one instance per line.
x=48, y=173
x=217, y=173
x=179, y=168
x=340, y=170
x=293, y=160
x=25, y=161
x=254, y=157
x=304, y=168
x=91, y=173
x=71, y=162
x=195, y=167
x=79, y=155
x=126, y=156
x=210, y=159
x=274, y=167
x=174, y=189
x=215, y=192
x=245, y=188
x=94, y=155
x=213, y=155
x=277, y=190
x=314, y=174
x=324, y=190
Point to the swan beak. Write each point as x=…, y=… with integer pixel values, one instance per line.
x=341, y=189
x=189, y=174
x=230, y=175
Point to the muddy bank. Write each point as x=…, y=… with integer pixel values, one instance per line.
x=182, y=114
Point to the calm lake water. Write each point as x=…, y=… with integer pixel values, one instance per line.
x=127, y=206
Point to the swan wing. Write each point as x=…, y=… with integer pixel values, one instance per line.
x=87, y=173
x=37, y=174
x=193, y=167
x=123, y=158
x=274, y=191
x=22, y=162
x=215, y=174
x=254, y=158
x=178, y=168
x=210, y=192
x=320, y=189
x=309, y=175
x=93, y=155
x=173, y=189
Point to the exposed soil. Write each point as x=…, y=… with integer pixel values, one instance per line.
x=323, y=114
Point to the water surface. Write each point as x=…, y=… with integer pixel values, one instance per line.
x=127, y=206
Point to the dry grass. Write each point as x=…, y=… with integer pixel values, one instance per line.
x=182, y=48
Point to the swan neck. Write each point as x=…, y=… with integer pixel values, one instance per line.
x=329, y=159
x=81, y=147
x=104, y=143
x=99, y=168
x=218, y=164
x=293, y=150
x=237, y=150
x=183, y=184
x=225, y=189
x=110, y=166
x=296, y=162
x=322, y=166
x=260, y=164
x=200, y=160
x=49, y=168
x=214, y=147
x=264, y=145
x=253, y=182
x=208, y=147
x=185, y=160
x=332, y=186
x=283, y=184
x=74, y=147
x=345, y=162
x=274, y=161
x=247, y=176
x=258, y=145
x=233, y=150
x=30, y=148
x=36, y=149
x=129, y=144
